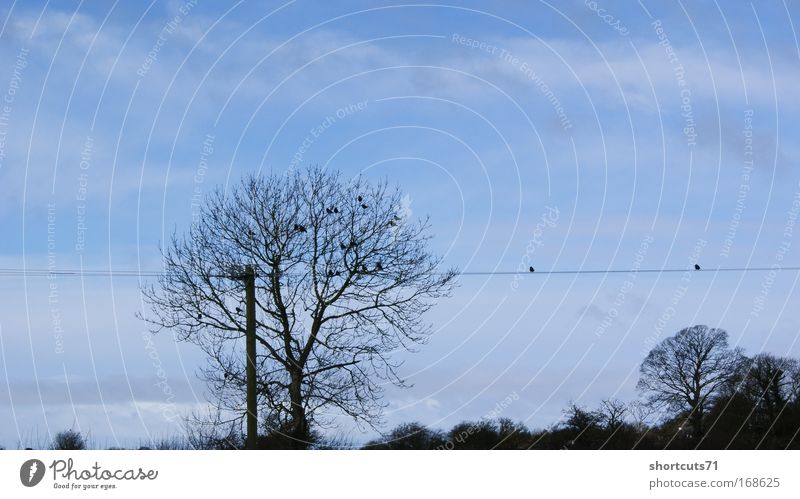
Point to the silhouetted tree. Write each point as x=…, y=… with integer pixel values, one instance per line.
x=68, y=440
x=409, y=436
x=343, y=280
x=611, y=414
x=512, y=435
x=579, y=418
x=686, y=371
x=771, y=383
x=473, y=435
x=580, y=428
x=761, y=410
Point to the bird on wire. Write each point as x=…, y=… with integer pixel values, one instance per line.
x=531, y=269
x=696, y=267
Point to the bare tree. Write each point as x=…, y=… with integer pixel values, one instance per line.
x=684, y=372
x=578, y=418
x=611, y=413
x=68, y=440
x=770, y=383
x=640, y=414
x=343, y=281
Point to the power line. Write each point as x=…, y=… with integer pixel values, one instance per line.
x=38, y=272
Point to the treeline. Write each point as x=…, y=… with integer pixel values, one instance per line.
x=698, y=393
x=735, y=422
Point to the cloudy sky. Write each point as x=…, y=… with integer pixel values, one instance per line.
x=581, y=135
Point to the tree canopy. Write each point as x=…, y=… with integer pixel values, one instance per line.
x=344, y=278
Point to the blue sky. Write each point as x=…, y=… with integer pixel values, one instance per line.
x=660, y=133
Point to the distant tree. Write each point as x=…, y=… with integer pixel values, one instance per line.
x=343, y=281
x=579, y=418
x=474, y=435
x=770, y=383
x=512, y=435
x=768, y=398
x=580, y=428
x=409, y=436
x=686, y=371
x=611, y=414
x=640, y=413
x=68, y=440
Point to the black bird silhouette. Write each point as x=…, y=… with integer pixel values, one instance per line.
x=299, y=228
x=328, y=211
x=342, y=246
x=531, y=269
x=364, y=206
x=199, y=316
x=238, y=310
x=335, y=209
x=360, y=199
x=696, y=267
x=331, y=273
x=378, y=266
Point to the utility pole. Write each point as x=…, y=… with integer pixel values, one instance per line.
x=250, y=347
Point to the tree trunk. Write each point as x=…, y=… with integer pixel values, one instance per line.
x=696, y=420
x=299, y=434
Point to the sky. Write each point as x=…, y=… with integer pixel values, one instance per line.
x=577, y=135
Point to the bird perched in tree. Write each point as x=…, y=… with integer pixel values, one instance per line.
x=238, y=310
x=364, y=206
x=329, y=211
x=696, y=267
x=299, y=228
x=378, y=266
x=342, y=246
x=531, y=269
x=335, y=209
x=360, y=199
x=331, y=273
x=199, y=316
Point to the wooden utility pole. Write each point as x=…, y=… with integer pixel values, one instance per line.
x=250, y=347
